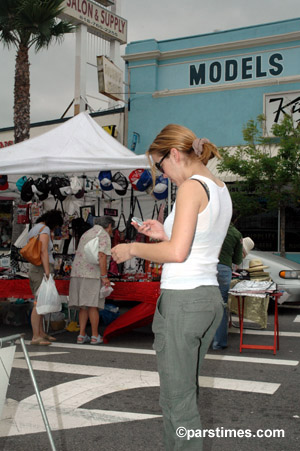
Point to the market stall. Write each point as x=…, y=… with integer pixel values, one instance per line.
x=80, y=153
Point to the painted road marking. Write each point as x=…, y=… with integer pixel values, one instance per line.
x=18, y=417
x=38, y=354
x=62, y=402
x=99, y=348
x=240, y=359
x=297, y=319
x=149, y=377
x=270, y=361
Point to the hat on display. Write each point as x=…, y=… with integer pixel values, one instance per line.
x=65, y=190
x=42, y=188
x=105, y=179
x=26, y=191
x=76, y=187
x=75, y=184
x=259, y=275
x=60, y=187
x=248, y=245
x=3, y=182
x=140, y=179
x=160, y=190
x=79, y=194
x=256, y=265
x=20, y=182
x=120, y=183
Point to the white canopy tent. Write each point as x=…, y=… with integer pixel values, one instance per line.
x=79, y=145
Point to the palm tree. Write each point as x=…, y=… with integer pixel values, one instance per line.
x=23, y=24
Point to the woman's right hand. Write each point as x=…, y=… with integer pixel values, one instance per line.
x=152, y=228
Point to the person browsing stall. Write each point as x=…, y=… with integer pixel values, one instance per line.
x=87, y=279
x=44, y=226
x=231, y=253
x=190, y=305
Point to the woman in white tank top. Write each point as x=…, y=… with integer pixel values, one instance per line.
x=190, y=306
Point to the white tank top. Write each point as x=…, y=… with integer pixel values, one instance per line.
x=200, y=267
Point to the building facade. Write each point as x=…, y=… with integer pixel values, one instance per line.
x=214, y=84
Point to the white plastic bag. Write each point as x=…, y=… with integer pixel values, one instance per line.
x=91, y=250
x=48, y=299
x=71, y=247
x=22, y=239
x=106, y=291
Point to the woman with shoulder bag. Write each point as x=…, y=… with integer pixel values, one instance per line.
x=190, y=305
x=44, y=227
x=88, y=278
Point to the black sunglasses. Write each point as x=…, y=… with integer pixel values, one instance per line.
x=158, y=164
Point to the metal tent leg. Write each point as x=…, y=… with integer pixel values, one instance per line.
x=36, y=389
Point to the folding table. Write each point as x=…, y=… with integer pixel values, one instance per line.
x=274, y=295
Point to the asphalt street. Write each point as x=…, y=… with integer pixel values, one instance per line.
x=106, y=397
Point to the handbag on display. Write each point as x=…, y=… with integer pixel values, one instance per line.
x=23, y=214
x=36, y=210
x=130, y=231
x=32, y=250
x=91, y=250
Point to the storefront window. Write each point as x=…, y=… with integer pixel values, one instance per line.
x=6, y=219
x=263, y=229
x=292, y=236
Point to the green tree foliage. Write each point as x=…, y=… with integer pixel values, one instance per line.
x=23, y=24
x=268, y=169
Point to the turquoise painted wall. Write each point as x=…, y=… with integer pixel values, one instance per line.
x=220, y=114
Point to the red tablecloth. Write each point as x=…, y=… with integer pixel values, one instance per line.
x=142, y=314
x=19, y=288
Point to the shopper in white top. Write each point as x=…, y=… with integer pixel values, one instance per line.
x=190, y=306
x=45, y=226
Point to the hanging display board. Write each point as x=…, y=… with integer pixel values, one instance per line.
x=110, y=78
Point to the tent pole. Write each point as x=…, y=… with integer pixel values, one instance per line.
x=13, y=338
x=80, y=69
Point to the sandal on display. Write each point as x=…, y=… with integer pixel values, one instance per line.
x=96, y=340
x=81, y=339
x=40, y=342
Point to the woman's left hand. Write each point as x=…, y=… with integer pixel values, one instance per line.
x=106, y=281
x=121, y=253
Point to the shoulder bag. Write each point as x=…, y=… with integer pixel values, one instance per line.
x=32, y=250
x=91, y=250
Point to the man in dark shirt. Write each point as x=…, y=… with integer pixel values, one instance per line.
x=231, y=252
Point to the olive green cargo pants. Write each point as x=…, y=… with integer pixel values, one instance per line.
x=184, y=325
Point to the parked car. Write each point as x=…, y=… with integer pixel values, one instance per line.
x=285, y=273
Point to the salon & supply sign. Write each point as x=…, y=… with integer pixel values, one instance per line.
x=99, y=20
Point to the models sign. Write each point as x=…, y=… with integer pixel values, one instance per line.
x=99, y=20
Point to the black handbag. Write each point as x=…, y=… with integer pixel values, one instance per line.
x=131, y=232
